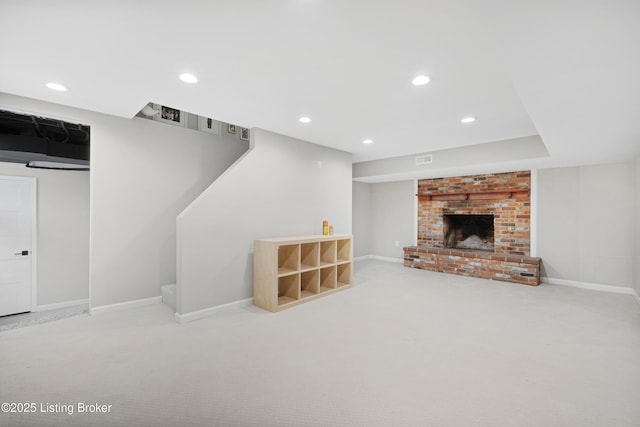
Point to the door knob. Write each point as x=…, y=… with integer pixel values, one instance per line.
x=23, y=253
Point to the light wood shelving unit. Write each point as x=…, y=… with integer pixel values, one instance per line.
x=289, y=271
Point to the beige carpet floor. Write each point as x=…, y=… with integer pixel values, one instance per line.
x=403, y=347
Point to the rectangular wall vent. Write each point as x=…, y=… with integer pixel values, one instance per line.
x=424, y=160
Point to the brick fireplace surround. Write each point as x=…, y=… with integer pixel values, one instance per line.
x=506, y=196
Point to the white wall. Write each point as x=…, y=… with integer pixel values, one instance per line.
x=558, y=210
x=383, y=214
x=63, y=232
x=361, y=221
x=586, y=223
x=276, y=189
x=393, y=218
x=143, y=174
x=636, y=263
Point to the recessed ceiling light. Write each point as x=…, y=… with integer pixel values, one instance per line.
x=188, y=78
x=468, y=120
x=420, y=80
x=368, y=141
x=56, y=86
x=304, y=120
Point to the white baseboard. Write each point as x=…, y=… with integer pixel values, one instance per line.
x=387, y=259
x=592, y=286
x=59, y=305
x=125, y=305
x=379, y=258
x=206, y=312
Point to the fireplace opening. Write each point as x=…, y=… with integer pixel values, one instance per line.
x=469, y=232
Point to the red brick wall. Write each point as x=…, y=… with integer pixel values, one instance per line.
x=511, y=215
x=476, y=183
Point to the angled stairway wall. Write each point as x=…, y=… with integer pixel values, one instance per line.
x=143, y=174
x=281, y=187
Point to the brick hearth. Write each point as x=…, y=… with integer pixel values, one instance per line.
x=506, y=197
x=485, y=265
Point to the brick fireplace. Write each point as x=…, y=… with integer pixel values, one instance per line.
x=477, y=226
x=469, y=231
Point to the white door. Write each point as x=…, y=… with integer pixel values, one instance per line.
x=16, y=207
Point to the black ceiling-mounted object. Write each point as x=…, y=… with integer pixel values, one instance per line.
x=42, y=142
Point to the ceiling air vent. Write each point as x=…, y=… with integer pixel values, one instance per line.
x=424, y=160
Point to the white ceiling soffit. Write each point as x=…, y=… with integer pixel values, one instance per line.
x=567, y=71
x=575, y=67
x=455, y=161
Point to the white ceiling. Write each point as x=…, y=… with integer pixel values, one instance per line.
x=566, y=70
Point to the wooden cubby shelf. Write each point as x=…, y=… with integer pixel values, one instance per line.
x=309, y=283
x=309, y=256
x=328, y=279
x=344, y=250
x=290, y=271
x=288, y=289
x=288, y=259
x=328, y=252
x=344, y=275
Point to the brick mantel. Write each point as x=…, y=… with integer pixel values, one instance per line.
x=481, y=195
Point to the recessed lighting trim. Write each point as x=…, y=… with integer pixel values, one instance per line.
x=188, y=78
x=468, y=120
x=421, y=80
x=304, y=119
x=56, y=86
x=368, y=141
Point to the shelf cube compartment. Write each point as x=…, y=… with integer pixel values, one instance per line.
x=327, y=279
x=328, y=252
x=344, y=275
x=309, y=283
x=309, y=255
x=288, y=259
x=344, y=250
x=288, y=289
